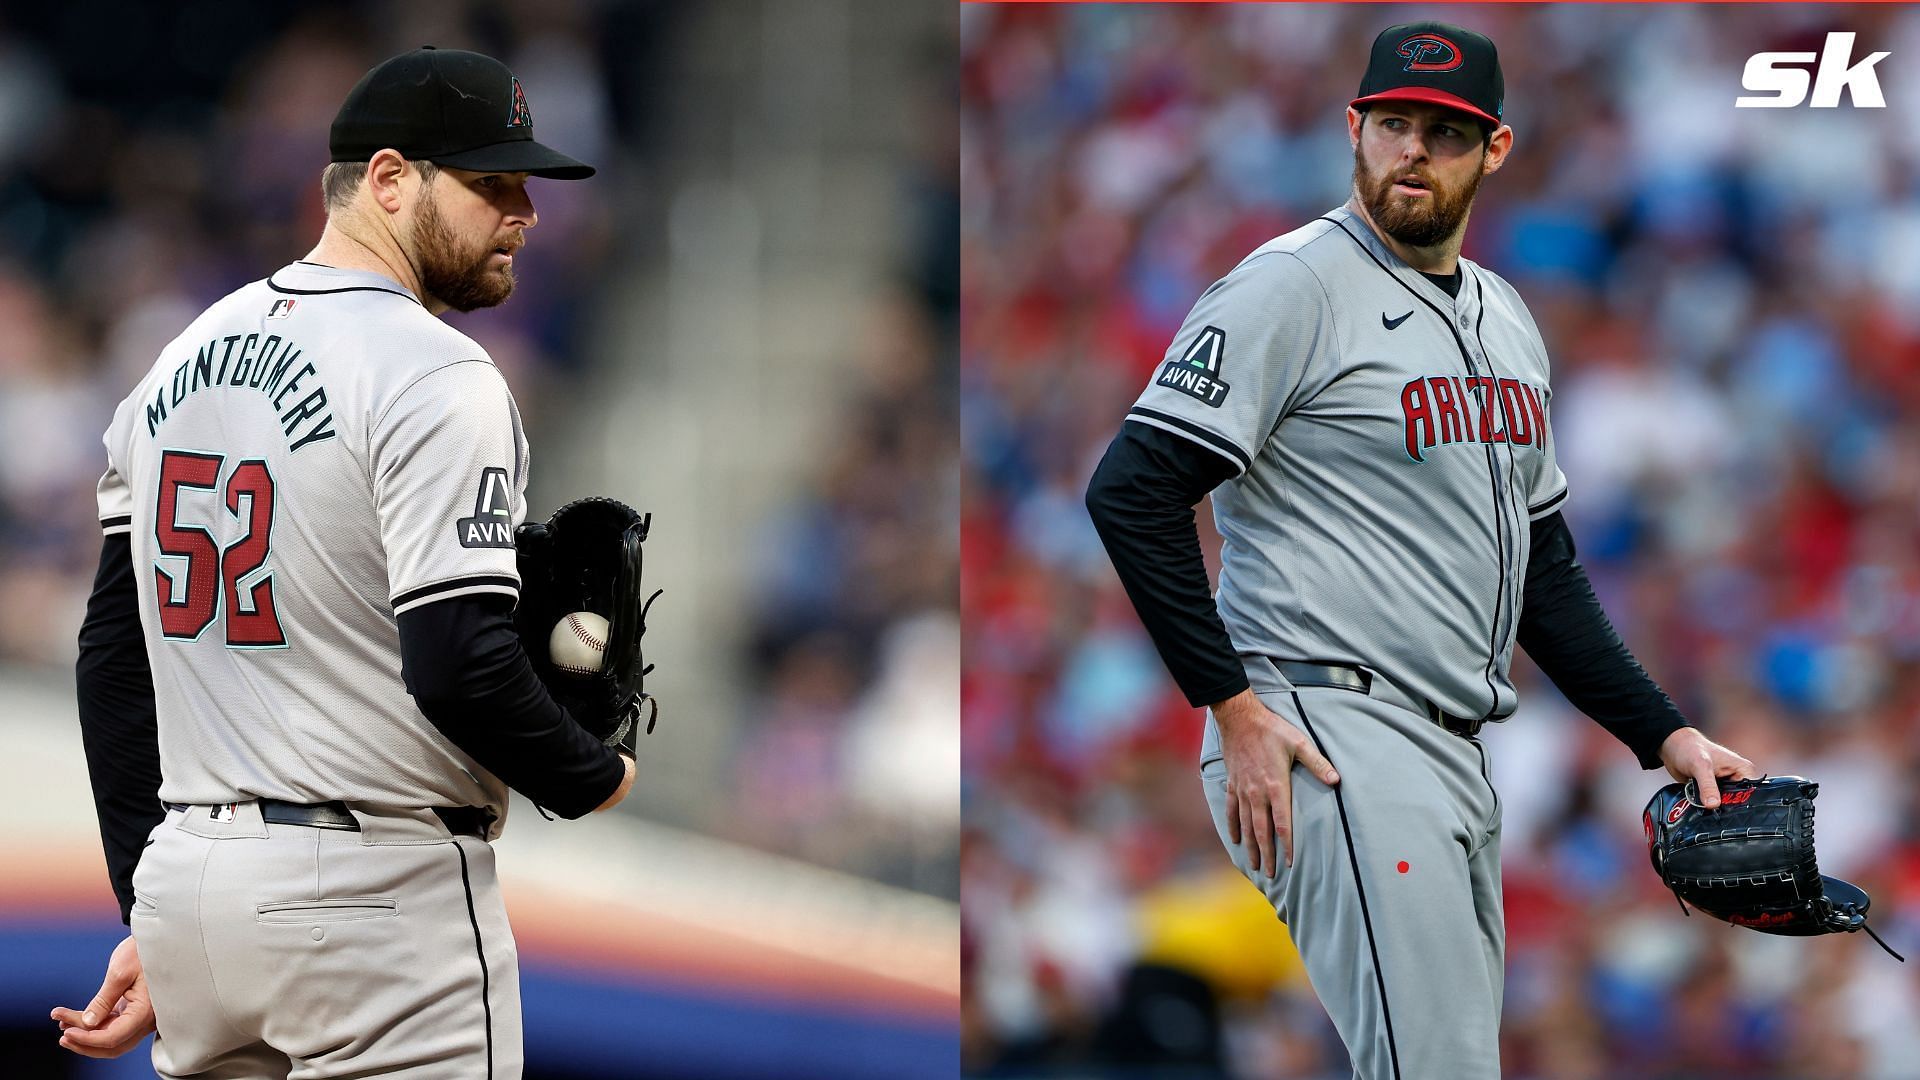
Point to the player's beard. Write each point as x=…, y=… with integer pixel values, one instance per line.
x=1414, y=222
x=461, y=276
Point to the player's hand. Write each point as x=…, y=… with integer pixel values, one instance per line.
x=1260, y=749
x=118, y=1017
x=1690, y=755
x=619, y=793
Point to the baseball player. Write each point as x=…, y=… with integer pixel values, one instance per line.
x=1372, y=415
x=302, y=695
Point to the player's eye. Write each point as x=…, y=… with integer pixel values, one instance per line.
x=488, y=181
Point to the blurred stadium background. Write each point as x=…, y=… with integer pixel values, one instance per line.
x=1732, y=301
x=746, y=324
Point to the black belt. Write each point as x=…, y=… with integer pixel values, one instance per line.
x=1360, y=681
x=459, y=820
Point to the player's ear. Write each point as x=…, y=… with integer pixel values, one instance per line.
x=1499, y=145
x=1355, y=118
x=384, y=170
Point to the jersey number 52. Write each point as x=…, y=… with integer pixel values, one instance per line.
x=214, y=575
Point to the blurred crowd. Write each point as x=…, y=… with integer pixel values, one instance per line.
x=856, y=642
x=155, y=157
x=1731, y=299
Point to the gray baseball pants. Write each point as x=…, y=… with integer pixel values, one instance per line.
x=302, y=953
x=1393, y=899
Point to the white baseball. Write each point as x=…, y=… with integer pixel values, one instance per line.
x=578, y=644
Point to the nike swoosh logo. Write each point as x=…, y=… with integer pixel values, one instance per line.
x=1394, y=324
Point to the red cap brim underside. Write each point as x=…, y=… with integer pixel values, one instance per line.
x=1429, y=95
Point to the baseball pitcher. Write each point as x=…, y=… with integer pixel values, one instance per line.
x=301, y=686
x=1372, y=414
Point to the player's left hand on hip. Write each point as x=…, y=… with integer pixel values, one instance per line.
x=118, y=1017
x=1690, y=755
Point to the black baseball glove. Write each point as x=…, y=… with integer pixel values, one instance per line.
x=587, y=558
x=1750, y=861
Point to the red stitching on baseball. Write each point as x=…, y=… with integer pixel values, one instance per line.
x=573, y=623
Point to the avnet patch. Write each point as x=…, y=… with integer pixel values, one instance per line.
x=1197, y=373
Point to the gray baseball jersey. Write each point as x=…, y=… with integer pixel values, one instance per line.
x=315, y=454
x=1391, y=443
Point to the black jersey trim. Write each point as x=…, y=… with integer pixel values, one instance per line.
x=279, y=288
x=1500, y=517
x=1198, y=434
x=116, y=521
x=1359, y=888
x=1545, y=508
x=1508, y=586
x=1486, y=773
x=414, y=596
x=486, y=980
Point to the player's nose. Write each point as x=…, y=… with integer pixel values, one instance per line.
x=520, y=210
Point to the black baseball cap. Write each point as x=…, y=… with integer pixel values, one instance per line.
x=450, y=107
x=1437, y=63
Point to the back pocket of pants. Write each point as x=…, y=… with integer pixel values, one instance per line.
x=343, y=909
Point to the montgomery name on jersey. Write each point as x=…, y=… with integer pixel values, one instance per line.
x=264, y=363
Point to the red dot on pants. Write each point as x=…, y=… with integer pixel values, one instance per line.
x=1403, y=866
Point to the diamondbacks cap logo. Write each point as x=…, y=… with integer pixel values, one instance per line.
x=521, y=116
x=1429, y=52
x=281, y=308
x=1197, y=372
x=491, y=525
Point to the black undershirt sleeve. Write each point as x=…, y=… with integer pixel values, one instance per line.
x=1141, y=500
x=462, y=661
x=114, y=692
x=1565, y=631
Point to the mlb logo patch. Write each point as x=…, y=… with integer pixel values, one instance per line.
x=281, y=308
